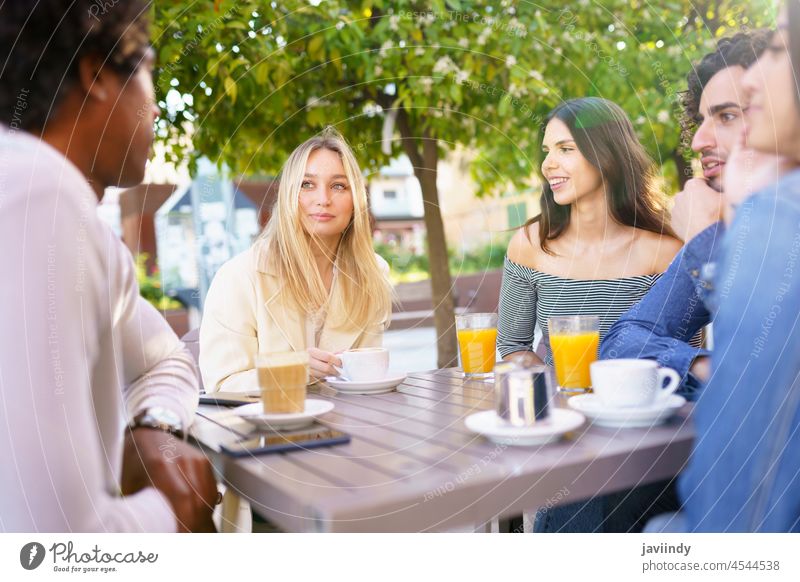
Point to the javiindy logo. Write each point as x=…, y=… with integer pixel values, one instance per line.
x=31, y=555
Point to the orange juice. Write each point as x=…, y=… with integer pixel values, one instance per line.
x=572, y=354
x=477, y=347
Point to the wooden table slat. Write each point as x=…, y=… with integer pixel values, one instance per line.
x=451, y=435
x=413, y=466
x=437, y=415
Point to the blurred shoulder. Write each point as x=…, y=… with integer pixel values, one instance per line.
x=237, y=273
x=789, y=183
x=783, y=195
x=524, y=248
x=244, y=262
x=383, y=265
x=656, y=250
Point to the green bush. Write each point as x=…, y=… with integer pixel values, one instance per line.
x=150, y=286
x=488, y=257
x=406, y=266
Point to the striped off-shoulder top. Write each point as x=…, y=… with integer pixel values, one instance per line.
x=528, y=296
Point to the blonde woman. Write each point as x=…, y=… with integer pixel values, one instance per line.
x=311, y=281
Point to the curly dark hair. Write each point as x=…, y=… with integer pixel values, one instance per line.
x=742, y=49
x=42, y=42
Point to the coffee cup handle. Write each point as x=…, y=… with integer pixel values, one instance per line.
x=674, y=382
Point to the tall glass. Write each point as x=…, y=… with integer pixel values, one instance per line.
x=282, y=378
x=574, y=341
x=477, y=343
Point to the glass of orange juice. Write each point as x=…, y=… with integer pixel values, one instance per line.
x=574, y=341
x=477, y=343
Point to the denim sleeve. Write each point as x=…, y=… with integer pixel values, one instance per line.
x=660, y=326
x=744, y=471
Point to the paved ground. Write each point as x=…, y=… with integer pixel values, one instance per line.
x=411, y=350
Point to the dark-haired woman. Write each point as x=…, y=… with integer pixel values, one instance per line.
x=602, y=238
x=600, y=243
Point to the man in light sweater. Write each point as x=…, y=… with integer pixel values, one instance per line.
x=96, y=391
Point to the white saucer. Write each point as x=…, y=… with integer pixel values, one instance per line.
x=371, y=387
x=254, y=414
x=497, y=430
x=638, y=417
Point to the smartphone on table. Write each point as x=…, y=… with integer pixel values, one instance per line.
x=264, y=443
x=229, y=399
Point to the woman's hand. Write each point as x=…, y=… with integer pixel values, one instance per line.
x=321, y=363
x=526, y=357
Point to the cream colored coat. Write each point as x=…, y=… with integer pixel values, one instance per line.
x=244, y=315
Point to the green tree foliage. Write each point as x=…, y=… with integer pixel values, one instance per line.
x=249, y=80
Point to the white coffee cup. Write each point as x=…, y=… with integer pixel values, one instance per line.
x=628, y=382
x=365, y=364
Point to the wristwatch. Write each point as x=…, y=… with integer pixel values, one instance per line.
x=159, y=418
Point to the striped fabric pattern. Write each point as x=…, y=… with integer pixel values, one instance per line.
x=528, y=296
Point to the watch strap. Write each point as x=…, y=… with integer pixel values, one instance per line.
x=149, y=419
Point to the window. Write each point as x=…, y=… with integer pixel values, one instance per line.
x=390, y=194
x=517, y=215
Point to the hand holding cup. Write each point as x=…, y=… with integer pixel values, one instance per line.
x=322, y=364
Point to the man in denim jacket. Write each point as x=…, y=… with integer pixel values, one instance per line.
x=660, y=326
x=752, y=459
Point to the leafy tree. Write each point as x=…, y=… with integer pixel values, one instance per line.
x=247, y=81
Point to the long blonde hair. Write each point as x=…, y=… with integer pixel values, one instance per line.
x=361, y=287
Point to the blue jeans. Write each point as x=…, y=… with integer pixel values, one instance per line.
x=626, y=511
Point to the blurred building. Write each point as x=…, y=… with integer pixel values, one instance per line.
x=190, y=230
x=396, y=203
x=469, y=220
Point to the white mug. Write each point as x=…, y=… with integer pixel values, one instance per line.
x=629, y=382
x=365, y=364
